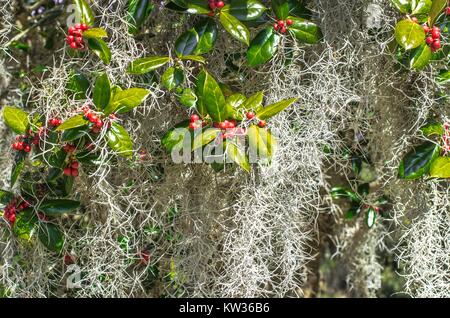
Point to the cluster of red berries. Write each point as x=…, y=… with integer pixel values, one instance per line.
x=251, y=116
x=24, y=142
x=446, y=138
x=433, y=37
x=281, y=25
x=213, y=5
x=75, y=37
x=69, y=148
x=54, y=122
x=11, y=210
x=196, y=122
x=94, y=119
x=447, y=11
x=72, y=169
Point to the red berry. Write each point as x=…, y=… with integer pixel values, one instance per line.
x=283, y=30
x=14, y=146
x=212, y=5
x=289, y=22
x=262, y=123
x=95, y=130
x=79, y=39
x=71, y=30
x=84, y=26
x=73, y=45
x=280, y=23
x=230, y=125
x=74, y=172
x=192, y=125
x=436, y=45
x=275, y=26
x=211, y=14
x=70, y=38
x=194, y=118
x=69, y=260
x=20, y=145
x=429, y=40
x=447, y=11
x=223, y=125
x=435, y=33
x=250, y=115
x=27, y=148
x=93, y=118
x=220, y=4
x=75, y=165
x=78, y=26
x=99, y=123
x=68, y=171
x=415, y=20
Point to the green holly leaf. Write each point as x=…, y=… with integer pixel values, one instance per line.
x=237, y=154
x=95, y=33
x=420, y=57
x=206, y=30
x=50, y=236
x=409, y=34
x=77, y=85
x=195, y=58
x=263, y=47
x=125, y=100
x=280, y=8
x=172, y=78
x=417, y=162
x=57, y=158
x=83, y=12
x=421, y=6
x=234, y=27
x=440, y=168
x=273, y=109
x=197, y=6
x=204, y=137
x=254, y=102
x=404, y=6
x=261, y=143
x=57, y=207
x=146, y=64
x=120, y=141
x=186, y=43
x=19, y=163
x=305, y=31
x=433, y=129
x=174, y=137
x=5, y=196
x=210, y=97
x=137, y=12
x=187, y=98
x=245, y=10
x=73, y=122
x=101, y=49
x=443, y=77
x=102, y=91
x=436, y=8
x=16, y=119
x=340, y=192
x=25, y=224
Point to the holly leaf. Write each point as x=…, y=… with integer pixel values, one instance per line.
x=280, y=8
x=421, y=6
x=404, y=6
x=436, y=9
x=174, y=137
x=50, y=236
x=73, y=122
x=417, y=162
x=254, y=102
x=234, y=27
x=305, y=31
x=206, y=30
x=95, y=33
x=83, y=12
x=102, y=91
x=210, y=97
x=99, y=47
x=273, y=109
x=137, y=12
x=5, y=196
x=172, y=78
x=125, y=100
x=409, y=35
x=186, y=43
x=197, y=6
x=195, y=58
x=261, y=143
x=420, y=57
x=77, y=85
x=433, y=129
x=440, y=168
x=19, y=163
x=263, y=47
x=187, y=98
x=16, y=119
x=146, y=64
x=371, y=216
x=204, y=137
x=120, y=141
x=245, y=10
x=237, y=154
x=57, y=207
